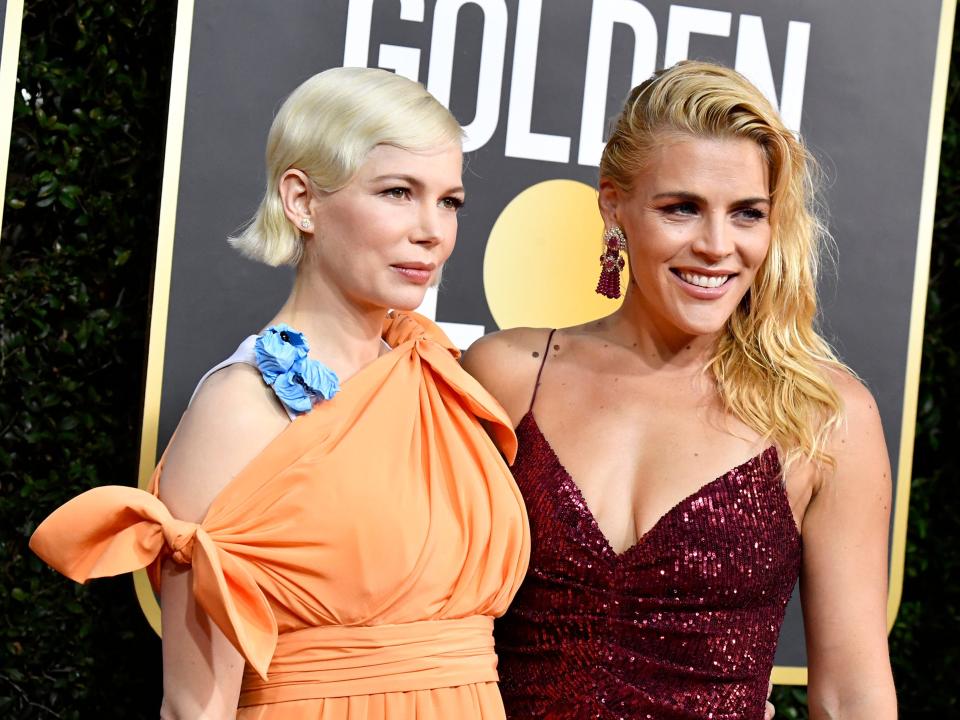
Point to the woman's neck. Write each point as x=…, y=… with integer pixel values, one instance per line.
x=341, y=334
x=663, y=347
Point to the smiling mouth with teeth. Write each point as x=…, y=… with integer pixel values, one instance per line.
x=704, y=281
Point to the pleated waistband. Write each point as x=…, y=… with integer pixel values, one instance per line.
x=339, y=661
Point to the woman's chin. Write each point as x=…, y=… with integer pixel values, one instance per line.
x=701, y=327
x=407, y=302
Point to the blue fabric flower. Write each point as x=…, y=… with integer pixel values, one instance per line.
x=279, y=350
x=320, y=379
x=298, y=380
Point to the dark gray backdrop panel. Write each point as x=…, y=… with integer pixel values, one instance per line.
x=865, y=114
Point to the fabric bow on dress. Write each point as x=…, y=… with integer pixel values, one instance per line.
x=112, y=530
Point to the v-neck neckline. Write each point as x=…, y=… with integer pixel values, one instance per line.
x=580, y=502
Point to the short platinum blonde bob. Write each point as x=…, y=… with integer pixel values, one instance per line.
x=326, y=128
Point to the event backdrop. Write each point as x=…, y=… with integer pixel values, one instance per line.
x=535, y=83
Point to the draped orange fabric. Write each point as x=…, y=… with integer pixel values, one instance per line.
x=358, y=560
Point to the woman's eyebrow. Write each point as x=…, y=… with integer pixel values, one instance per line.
x=694, y=197
x=680, y=195
x=411, y=180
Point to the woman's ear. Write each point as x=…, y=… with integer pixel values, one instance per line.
x=295, y=194
x=608, y=201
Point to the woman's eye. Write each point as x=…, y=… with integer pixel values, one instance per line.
x=397, y=193
x=684, y=208
x=751, y=214
x=451, y=203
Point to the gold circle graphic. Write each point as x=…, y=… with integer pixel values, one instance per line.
x=542, y=259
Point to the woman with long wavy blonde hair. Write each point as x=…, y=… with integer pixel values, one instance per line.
x=687, y=458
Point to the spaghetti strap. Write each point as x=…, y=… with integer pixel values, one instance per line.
x=536, y=385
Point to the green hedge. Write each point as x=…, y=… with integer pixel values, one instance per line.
x=79, y=239
x=80, y=224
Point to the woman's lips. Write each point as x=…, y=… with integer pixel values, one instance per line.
x=703, y=286
x=415, y=272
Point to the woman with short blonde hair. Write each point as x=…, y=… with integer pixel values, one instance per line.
x=331, y=530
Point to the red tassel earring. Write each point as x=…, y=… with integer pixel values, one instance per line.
x=611, y=262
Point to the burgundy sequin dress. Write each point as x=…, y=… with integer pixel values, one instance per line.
x=682, y=625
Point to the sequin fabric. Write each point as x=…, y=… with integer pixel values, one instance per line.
x=682, y=625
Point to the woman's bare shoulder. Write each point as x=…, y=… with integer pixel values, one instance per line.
x=859, y=412
x=233, y=416
x=508, y=345
x=506, y=363
x=856, y=444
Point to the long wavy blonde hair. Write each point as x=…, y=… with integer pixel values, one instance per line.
x=770, y=365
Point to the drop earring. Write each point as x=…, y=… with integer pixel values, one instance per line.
x=611, y=262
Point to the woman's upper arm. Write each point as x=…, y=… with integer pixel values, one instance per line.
x=202, y=671
x=229, y=422
x=845, y=564
x=506, y=364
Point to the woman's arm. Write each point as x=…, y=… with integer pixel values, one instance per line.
x=843, y=582
x=232, y=418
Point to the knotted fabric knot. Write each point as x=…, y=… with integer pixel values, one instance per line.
x=401, y=327
x=179, y=536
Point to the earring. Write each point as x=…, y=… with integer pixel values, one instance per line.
x=305, y=223
x=611, y=262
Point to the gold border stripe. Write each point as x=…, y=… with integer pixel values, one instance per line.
x=921, y=276
x=161, y=278
x=788, y=675
x=9, y=57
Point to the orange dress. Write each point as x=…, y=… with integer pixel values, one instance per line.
x=359, y=560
